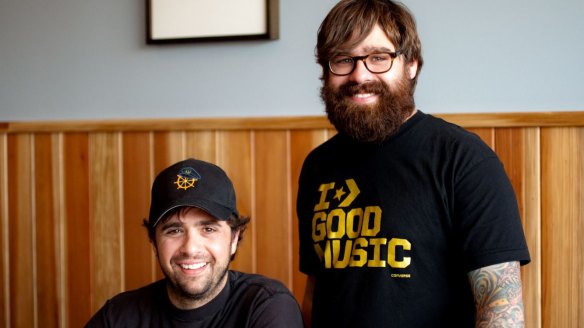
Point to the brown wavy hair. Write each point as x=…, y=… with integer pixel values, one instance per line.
x=351, y=21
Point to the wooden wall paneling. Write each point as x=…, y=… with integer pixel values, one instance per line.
x=64, y=191
x=519, y=149
x=139, y=261
x=21, y=225
x=273, y=205
x=48, y=260
x=169, y=147
x=301, y=143
x=4, y=277
x=60, y=226
x=562, y=226
x=235, y=156
x=78, y=271
x=202, y=145
x=106, y=216
x=486, y=134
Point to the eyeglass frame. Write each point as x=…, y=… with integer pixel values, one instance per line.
x=392, y=55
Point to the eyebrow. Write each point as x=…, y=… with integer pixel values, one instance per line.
x=169, y=225
x=176, y=223
x=367, y=50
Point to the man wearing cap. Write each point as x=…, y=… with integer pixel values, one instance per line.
x=195, y=228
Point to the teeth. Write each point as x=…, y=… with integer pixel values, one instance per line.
x=193, y=266
x=363, y=95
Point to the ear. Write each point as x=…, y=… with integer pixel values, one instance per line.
x=234, y=240
x=412, y=69
x=154, y=249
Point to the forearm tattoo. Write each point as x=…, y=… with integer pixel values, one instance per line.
x=498, y=296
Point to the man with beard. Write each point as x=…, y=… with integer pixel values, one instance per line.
x=195, y=228
x=405, y=220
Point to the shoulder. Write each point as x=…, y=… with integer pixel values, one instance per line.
x=132, y=306
x=141, y=300
x=257, y=283
x=447, y=141
x=447, y=131
x=267, y=302
x=328, y=153
x=331, y=145
x=148, y=293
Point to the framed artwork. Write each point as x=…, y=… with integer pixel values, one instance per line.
x=171, y=21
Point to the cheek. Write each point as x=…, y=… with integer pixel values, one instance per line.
x=392, y=77
x=336, y=81
x=165, y=250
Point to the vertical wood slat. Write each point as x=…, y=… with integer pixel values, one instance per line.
x=78, y=270
x=201, y=145
x=235, y=157
x=106, y=222
x=4, y=208
x=273, y=206
x=562, y=226
x=60, y=231
x=139, y=259
x=264, y=166
x=47, y=227
x=20, y=223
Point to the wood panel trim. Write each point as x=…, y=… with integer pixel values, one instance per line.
x=477, y=120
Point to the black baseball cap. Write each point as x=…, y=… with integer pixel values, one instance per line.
x=193, y=183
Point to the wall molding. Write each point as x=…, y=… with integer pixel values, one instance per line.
x=475, y=120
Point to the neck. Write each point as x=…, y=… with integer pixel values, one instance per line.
x=190, y=302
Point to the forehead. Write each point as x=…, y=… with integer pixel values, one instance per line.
x=184, y=214
x=376, y=40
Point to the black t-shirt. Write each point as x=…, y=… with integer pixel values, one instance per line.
x=391, y=230
x=247, y=300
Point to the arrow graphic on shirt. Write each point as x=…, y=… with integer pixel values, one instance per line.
x=353, y=192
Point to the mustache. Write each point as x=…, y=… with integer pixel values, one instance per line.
x=352, y=88
x=193, y=257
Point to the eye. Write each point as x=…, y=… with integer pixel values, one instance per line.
x=342, y=60
x=379, y=58
x=173, y=231
x=209, y=229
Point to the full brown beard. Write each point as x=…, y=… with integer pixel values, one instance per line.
x=371, y=123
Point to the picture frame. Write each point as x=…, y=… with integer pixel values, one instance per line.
x=172, y=21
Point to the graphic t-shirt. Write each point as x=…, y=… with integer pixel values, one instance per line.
x=247, y=300
x=391, y=230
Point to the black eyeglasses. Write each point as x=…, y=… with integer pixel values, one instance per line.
x=376, y=63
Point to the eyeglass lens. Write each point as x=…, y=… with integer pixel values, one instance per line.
x=375, y=63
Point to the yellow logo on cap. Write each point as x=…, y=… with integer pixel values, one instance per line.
x=187, y=178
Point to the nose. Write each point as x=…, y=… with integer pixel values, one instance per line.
x=360, y=74
x=191, y=243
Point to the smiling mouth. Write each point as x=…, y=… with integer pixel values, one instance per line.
x=363, y=95
x=194, y=266
x=364, y=98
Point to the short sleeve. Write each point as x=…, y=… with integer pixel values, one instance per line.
x=487, y=216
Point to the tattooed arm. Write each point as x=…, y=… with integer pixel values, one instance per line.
x=498, y=296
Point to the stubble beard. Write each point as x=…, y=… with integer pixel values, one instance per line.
x=205, y=289
x=369, y=123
